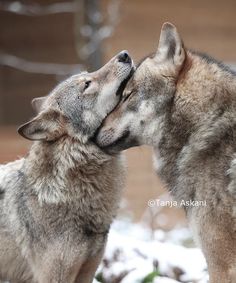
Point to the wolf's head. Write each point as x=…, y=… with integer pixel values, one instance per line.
x=172, y=94
x=146, y=96
x=77, y=106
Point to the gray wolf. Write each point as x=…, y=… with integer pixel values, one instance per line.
x=183, y=104
x=58, y=202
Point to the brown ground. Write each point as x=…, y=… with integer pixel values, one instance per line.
x=205, y=25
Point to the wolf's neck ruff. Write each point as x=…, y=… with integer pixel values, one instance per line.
x=58, y=171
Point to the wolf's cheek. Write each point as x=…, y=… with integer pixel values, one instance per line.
x=105, y=137
x=107, y=99
x=112, y=130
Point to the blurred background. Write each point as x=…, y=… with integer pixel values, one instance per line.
x=43, y=42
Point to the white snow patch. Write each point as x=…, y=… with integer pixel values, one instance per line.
x=132, y=253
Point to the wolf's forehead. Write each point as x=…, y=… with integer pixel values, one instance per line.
x=77, y=78
x=70, y=82
x=141, y=72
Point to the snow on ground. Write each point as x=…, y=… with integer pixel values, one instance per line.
x=135, y=254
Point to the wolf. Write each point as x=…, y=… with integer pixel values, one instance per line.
x=183, y=104
x=57, y=203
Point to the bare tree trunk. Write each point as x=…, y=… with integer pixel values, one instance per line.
x=93, y=19
x=88, y=21
x=79, y=23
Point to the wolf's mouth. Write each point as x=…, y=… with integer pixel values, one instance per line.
x=118, y=93
x=124, y=82
x=125, y=141
x=120, y=90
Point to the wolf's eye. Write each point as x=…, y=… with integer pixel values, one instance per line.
x=87, y=84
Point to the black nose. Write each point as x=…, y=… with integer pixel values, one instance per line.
x=124, y=57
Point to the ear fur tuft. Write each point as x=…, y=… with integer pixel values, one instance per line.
x=170, y=46
x=37, y=103
x=47, y=126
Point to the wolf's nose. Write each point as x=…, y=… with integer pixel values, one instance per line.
x=124, y=57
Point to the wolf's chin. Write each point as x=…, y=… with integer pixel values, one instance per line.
x=118, y=93
x=124, y=142
x=124, y=83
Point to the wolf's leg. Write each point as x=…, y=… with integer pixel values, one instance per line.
x=217, y=275
x=219, y=247
x=220, y=255
x=58, y=272
x=233, y=273
x=58, y=264
x=88, y=269
x=221, y=275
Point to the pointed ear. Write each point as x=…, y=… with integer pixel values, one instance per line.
x=37, y=103
x=170, y=46
x=47, y=126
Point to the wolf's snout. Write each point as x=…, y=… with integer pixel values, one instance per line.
x=124, y=57
x=103, y=137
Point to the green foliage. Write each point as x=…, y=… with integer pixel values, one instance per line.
x=150, y=277
x=99, y=277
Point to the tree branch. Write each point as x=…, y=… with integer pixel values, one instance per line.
x=39, y=67
x=37, y=10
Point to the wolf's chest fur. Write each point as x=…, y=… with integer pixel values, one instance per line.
x=60, y=191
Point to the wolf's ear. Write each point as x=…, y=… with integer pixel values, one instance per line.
x=37, y=103
x=170, y=46
x=47, y=126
